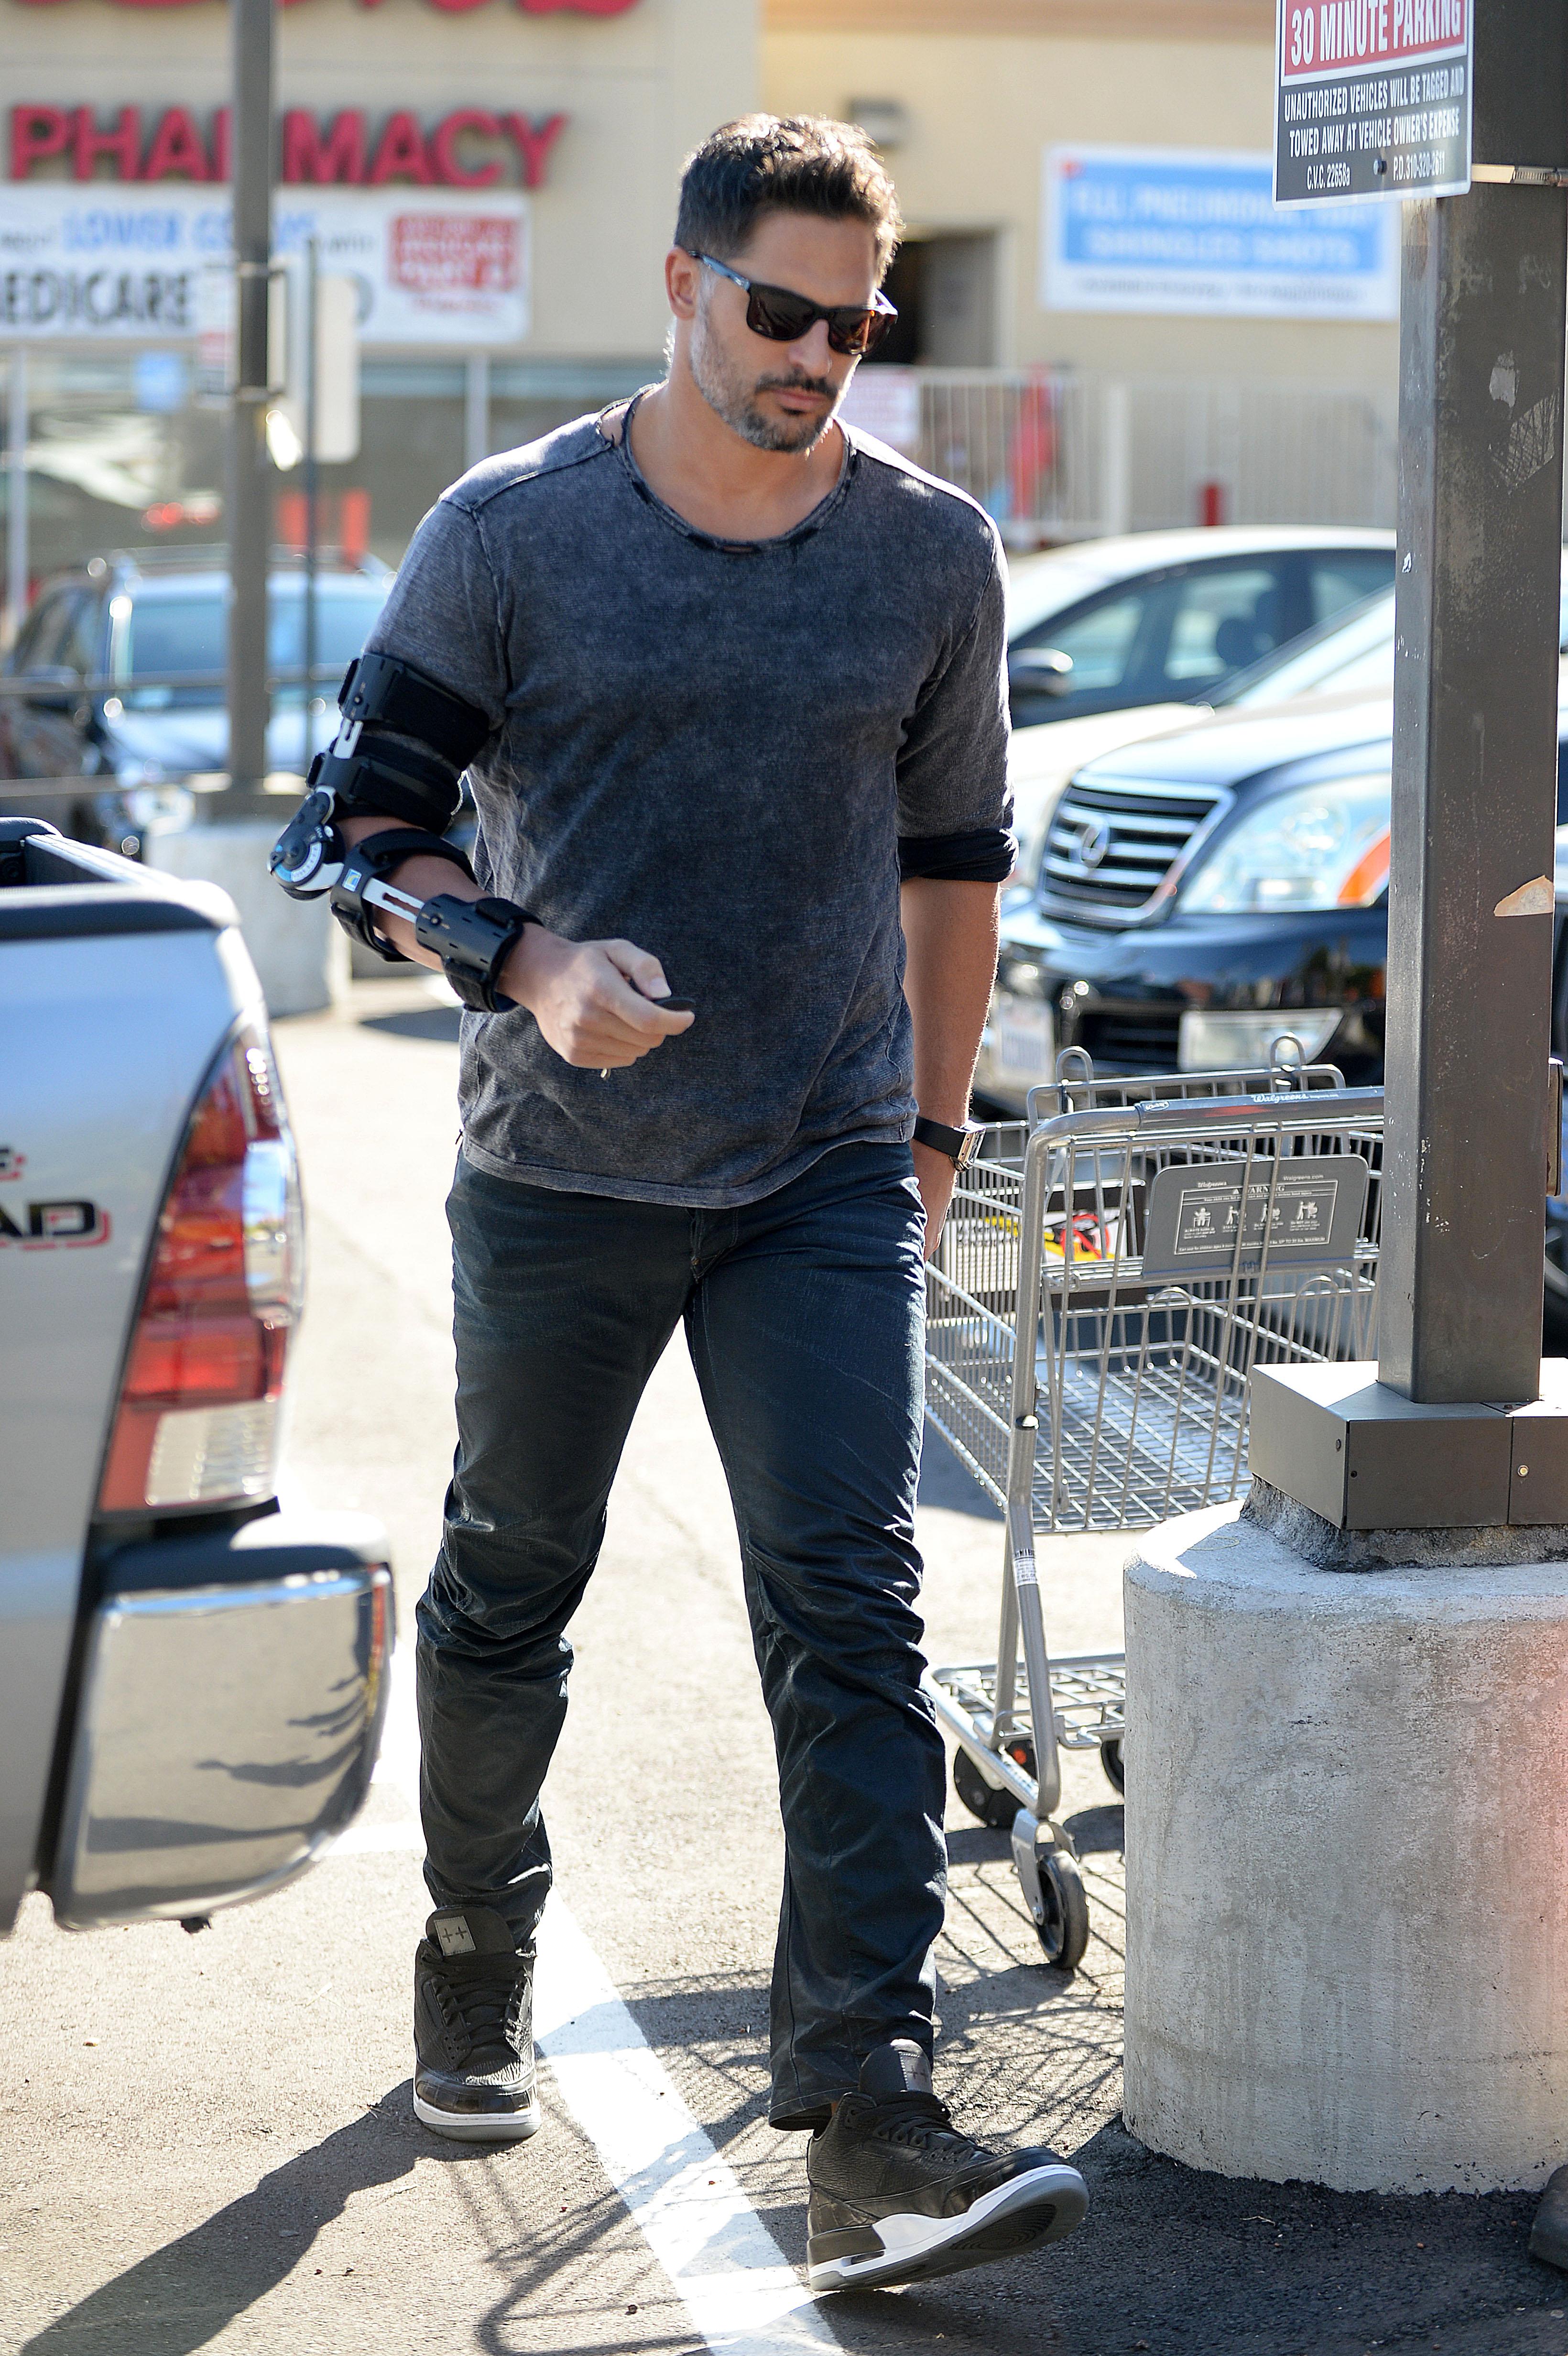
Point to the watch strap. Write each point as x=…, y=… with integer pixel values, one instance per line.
x=958, y=1145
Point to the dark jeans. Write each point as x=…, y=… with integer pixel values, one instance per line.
x=804, y=1318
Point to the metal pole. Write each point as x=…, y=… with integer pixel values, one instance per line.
x=1480, y=552
x=249, y=483
x=16, y=491
x=312, y=487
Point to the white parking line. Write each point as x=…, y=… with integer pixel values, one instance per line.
x=742, y=2295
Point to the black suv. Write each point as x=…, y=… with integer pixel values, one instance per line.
x=121, y=682
x=1200, y=894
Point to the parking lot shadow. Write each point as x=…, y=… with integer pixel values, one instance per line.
x=943, y=1481
x=1181, y=2259
x=437, y=1023
x=180, y=2297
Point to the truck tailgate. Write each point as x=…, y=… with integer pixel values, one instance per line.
x=116, y=992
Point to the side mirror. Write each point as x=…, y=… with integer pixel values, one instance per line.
x=1041, y=670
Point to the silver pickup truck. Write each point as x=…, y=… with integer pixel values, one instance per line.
x=192, y=1682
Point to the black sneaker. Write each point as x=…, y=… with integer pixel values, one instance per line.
x=474, y=2001
x=898, y=2193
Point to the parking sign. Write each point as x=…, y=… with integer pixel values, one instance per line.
x=1372, y=99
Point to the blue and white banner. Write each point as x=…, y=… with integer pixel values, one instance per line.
x=1181, y=230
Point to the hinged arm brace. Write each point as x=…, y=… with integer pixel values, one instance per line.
x=421, y=737
x=473, y=939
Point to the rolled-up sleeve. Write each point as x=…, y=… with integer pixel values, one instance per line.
x=954, y=809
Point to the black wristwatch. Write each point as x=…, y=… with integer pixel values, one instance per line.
x=960, y=1145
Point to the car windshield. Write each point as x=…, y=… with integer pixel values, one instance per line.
x=1353, y=655
x=169, y=630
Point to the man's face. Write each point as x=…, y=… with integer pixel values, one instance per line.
x=779, y=396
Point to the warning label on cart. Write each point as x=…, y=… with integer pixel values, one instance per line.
x=1309, y=1213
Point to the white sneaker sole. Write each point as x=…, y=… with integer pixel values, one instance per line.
x=480, y=2126
x=1043, y=2206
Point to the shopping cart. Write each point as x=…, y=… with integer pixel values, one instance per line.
x=1111, y=1272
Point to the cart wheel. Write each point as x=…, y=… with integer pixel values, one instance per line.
x=1064, y=1932
x=1111, y=1760
x=994, y=1808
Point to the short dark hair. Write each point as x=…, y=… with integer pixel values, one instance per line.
x=803, y=163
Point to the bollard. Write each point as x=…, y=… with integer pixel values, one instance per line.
x=1347, y=1861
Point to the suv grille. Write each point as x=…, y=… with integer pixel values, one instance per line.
x=1111, y=847
x=1142, y=1039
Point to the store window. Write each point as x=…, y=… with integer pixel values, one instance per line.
x=121, y=454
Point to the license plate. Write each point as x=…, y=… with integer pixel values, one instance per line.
x=1022, y=1037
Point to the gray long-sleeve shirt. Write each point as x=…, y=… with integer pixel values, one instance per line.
x=720, y=752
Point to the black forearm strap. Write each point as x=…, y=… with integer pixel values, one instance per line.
x=473, y=939
x=376, y=856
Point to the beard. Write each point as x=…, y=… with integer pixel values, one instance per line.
x=733, y=397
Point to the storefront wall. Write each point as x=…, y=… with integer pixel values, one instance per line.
x=599, y=109
x=983, y=89
x=601, y=101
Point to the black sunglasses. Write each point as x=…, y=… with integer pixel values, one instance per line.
x=785, y=318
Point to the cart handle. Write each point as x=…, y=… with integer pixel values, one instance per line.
x=1208, y=1116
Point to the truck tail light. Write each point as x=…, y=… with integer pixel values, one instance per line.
x=198, y=1418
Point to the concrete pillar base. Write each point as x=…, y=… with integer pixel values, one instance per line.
x=1347, y=1865
x=300, y=949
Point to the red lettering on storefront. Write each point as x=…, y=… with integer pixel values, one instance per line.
x=308, y=157
x=400, y=154
x=36, y=132
x=122, y=144
x=177, y=149
x=312, y=155
x=533, y=142
x=450, y=171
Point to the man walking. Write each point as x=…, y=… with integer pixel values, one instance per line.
x=741, y=678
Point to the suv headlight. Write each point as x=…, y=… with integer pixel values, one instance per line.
x=1317, y=847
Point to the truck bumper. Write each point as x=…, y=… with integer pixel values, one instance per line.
x=232, y=1693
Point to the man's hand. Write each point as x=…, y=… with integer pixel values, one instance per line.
x=935, y=1176
x=581, y=995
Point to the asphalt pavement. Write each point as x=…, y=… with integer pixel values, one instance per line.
x=208, y=2141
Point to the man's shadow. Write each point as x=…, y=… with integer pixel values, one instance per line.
x=180, y=2297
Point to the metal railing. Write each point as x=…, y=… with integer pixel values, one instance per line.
x=39, y=796
x=1062, y=457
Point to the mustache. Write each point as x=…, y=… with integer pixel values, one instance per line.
x=798, y=382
